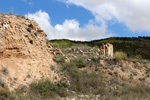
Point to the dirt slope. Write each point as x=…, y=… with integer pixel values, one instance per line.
x=25, y=54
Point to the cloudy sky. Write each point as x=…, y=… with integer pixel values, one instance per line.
x=85, y=19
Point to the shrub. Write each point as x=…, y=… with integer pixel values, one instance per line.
x=18, y=16
x=82, y=81
x=59, y=59
x=62, y=43
x=4, y=71
x=73, y=66
x=28, y=76
x=79, y=62
x=47, y=89
x=23, y=17
x=10, y=13
x=4, y=93
x=87, y=83
x=2, y=83
x=147, y=71
x=71, y=69
x=120, y=55
x=136, y=91
x=136, y=58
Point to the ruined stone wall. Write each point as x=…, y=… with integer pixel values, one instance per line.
x=106, y=50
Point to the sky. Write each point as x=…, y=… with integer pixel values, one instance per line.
x=85, y=20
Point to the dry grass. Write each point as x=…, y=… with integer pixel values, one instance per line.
x=120, y=55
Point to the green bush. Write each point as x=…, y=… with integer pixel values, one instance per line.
x=79, y=62
x=59, y=59
x=88, y=83
x=71, y=69
x=4, y=93
x=82, y=81
x=136, y=91
x=137, y=58
x=61, y=43
x=73, y=66
x=47, y=89
x=120, y=55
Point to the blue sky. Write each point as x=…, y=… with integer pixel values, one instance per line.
x=85, y=19
x=58, y=11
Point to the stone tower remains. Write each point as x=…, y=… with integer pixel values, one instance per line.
x=106, y=50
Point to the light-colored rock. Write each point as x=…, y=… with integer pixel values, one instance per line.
x=24, y=52
x=106, y=50
x=102, y=50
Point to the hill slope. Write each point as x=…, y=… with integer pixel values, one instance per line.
x=80, y=73
x=25, y=55
x=132, y=46
x=101, y=78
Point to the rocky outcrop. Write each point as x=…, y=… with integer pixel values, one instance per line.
x=106, y=50
x=25, y=54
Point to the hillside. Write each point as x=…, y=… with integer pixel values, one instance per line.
x=33, y=68
x=25, y=55
x=132, y=46
x=120, y=79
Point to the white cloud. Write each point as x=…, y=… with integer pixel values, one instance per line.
x=133, y=13
x=70, y=28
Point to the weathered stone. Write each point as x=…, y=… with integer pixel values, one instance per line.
x=23, y=54
x=106, y=50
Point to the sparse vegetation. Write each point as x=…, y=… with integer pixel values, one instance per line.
x=4, y=93
x=62, y=44
x=28, y=76
x=83, y=73
x=82, y=81
x=79, y=62
x=136, y=58
x=59, y=58
x=4, y=71
x=45, y=89
x=140, y=92
x=120, y=55
x=23, y=17
x=88, y=79
x=131, y=46
x=70, y=68
x=18, y=16
x=87, y=83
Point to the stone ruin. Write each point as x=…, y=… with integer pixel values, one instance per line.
x=106, y=50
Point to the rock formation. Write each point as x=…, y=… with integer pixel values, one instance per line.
x=106, y=50
x=25, y=54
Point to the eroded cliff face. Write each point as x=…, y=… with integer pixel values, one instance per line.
x=25, y=54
